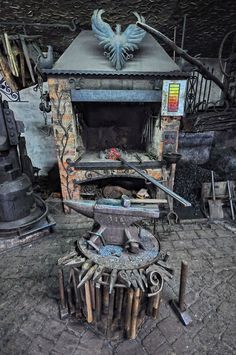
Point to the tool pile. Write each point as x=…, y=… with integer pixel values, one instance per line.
x=21, y=60
x=218, y=196
x=115, y=275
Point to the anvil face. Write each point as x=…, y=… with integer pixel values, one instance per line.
x=109, y=212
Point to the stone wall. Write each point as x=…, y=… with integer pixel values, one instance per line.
x=207, y=21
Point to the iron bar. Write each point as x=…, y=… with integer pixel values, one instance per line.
x=158, y=35
x=157, y=183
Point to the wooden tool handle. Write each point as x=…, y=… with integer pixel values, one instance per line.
x=134, y=317
x=88, y=302
x=130, y=296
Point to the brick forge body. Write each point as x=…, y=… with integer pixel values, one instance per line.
x=81, y=97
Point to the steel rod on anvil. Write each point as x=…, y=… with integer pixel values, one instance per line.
x=156, y=183
x=206, y=73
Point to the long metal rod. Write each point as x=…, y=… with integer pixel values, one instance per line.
x=158, y=184
x=183, y=32
x=174, y=40
x=158, y=35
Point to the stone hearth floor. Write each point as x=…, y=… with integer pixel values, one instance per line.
x=29, y=322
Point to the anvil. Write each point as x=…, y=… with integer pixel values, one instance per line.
x=115, y=219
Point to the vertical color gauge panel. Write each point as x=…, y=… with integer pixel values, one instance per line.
x=173, y=97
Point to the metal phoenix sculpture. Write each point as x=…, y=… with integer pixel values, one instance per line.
x=117, y=44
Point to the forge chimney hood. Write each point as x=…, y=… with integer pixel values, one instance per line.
x=85, y=57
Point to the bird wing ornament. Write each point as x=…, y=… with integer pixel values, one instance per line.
x=118, y=45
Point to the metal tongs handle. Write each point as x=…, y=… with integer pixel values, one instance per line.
x=156, y=183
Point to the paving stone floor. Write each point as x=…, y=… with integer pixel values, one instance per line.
x=29, y=322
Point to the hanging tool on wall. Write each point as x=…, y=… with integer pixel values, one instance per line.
x=6, y=73
x=22, y=59
x=11, y=58
x=27, y=57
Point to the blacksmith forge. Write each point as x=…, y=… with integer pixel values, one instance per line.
x=106, y=122
x=95, y=107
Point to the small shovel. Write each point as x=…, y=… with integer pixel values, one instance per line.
x=215, y=205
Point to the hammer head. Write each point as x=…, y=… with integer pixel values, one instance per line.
x=183, y=316
x=63, y=311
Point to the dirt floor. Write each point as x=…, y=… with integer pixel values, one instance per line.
x=29, y=321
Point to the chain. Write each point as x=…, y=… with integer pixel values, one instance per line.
x=44, y=105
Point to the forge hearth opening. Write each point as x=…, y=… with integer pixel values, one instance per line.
x=103, y=125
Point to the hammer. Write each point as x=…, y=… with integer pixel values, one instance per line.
x=179, y=307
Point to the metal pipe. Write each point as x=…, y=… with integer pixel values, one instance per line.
x=182, y=287
x=156, y=183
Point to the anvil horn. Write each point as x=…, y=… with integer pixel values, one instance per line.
x=86, y=208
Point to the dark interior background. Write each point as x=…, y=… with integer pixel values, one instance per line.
x=207, y=20
x=107, y=125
